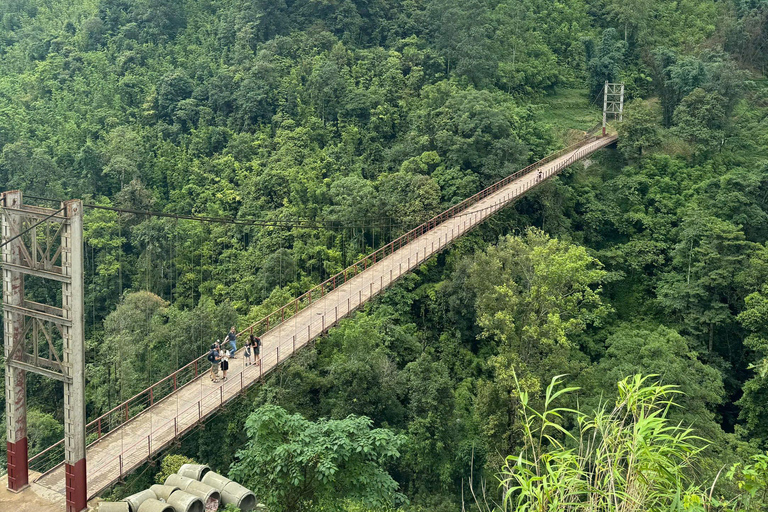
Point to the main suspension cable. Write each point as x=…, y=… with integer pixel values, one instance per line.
x=294, y=222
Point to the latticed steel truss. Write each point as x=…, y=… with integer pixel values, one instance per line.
x=613, y=102
x=41, y=245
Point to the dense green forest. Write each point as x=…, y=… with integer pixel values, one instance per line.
x=365, y=118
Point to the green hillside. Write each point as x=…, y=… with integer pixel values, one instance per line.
x=365, y=118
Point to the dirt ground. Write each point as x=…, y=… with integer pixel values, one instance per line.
x=32, y=499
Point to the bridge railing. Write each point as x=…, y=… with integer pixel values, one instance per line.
x=115, y=466
x=126, y=411
x=121, y=414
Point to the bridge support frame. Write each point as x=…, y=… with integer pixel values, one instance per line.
x=613, y=103
x=46, y=244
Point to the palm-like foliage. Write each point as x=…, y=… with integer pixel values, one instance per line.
x=626, y=458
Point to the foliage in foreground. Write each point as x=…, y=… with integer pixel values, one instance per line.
x=627, y=458
x=630, y=457
x=297, y=465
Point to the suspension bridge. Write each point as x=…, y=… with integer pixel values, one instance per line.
x=135, y=431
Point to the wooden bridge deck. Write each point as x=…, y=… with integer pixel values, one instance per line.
x=130, y=445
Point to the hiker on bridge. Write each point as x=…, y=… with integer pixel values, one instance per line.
x=247, y=351
x=255, y=342
x=232, y=338
x=214, y=356
x=224, y=363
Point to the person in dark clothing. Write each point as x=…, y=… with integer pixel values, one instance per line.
x=215, y=358
x=256, y=345
x=247, y=352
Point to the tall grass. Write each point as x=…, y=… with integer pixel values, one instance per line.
x=624, y=458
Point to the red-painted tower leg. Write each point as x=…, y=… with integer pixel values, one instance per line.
x=18, y=469
x=77, y=494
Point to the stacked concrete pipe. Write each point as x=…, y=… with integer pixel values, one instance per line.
x=159, y=498
x=194, y=489
x=210, y=496
x=163, y=492
x=155, y=505
x=231, y=492
x=114, y=506
x=135, y=500
x=194, y=471
x=185, y=502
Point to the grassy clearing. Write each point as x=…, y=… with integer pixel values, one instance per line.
x=567, y=110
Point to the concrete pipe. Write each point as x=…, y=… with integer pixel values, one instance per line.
x=211, y=498
x=182, y=482
x=231, y=492
x=135, y=500
x=114, y=506
x=163, y=491
x=194, y=471
x=210, y=495
x=185, y=502
x=152, y=505
x=215, y=480
x=239, y=496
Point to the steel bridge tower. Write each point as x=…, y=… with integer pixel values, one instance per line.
x=41, y=245
x=613, y=103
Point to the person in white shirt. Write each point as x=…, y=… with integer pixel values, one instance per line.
x=224, y=363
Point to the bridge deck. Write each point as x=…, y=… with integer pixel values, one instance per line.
x=130, y=445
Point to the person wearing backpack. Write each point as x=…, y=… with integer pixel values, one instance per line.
x=214, y=357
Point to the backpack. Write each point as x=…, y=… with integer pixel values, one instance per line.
x=211, y=356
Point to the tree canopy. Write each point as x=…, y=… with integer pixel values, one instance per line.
x=327, y=129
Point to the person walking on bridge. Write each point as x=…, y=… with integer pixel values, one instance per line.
x=224, y=363
x=247, y=351
x=214, y=357
x=232, y=338
x=256, y=344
